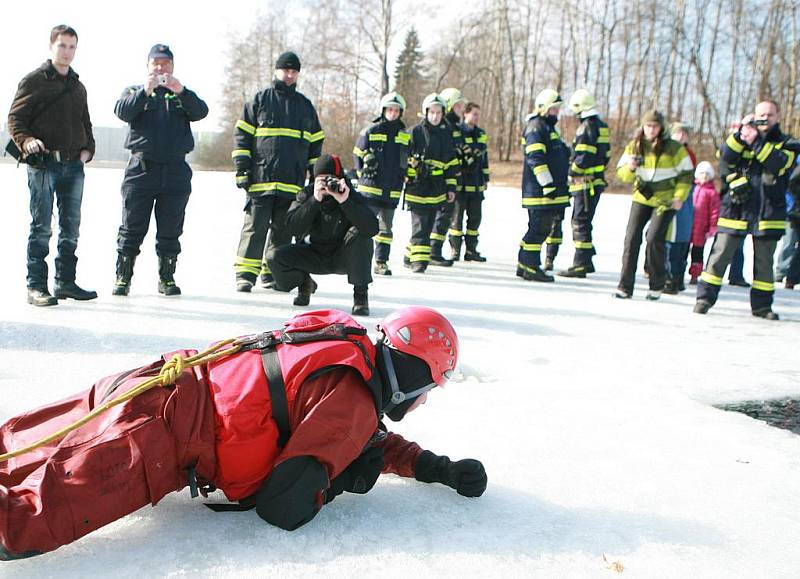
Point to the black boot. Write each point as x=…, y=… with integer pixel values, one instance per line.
x=548, y=264
x=536, y=274
x=671, y=287
x=308, y=287
x=125, y=265
x=436, y=255
x=455, y=247
x=266, y=280
x=166, y=271
x=360, y=300
x=64, y=290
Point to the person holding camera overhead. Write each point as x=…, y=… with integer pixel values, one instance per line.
x=159, y=114
x=756, y=162
x=661, y=172
x=340, y=227
x=50, y=126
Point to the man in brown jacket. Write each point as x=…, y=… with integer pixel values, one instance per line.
x=49, y=122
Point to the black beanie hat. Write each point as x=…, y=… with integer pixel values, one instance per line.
x=329, y=165
x=288, y=60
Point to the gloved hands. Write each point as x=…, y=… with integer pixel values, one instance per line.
x=360, y=475
x=467, y=476
x=242, y=180
x=370, y=167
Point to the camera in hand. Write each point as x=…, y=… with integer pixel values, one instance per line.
x=758, y=123
x=333, y=184
x=162, y=79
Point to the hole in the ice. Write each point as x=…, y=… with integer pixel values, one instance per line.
x=781, y=412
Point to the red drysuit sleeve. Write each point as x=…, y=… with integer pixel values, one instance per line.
x=399, y=455
x=333, y=418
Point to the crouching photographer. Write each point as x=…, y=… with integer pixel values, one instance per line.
x=339, y=226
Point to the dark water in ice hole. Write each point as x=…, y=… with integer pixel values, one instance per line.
x=782, y=412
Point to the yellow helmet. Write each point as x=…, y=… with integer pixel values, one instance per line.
x=581, y=101
x=546, y=99
x=433, y=99
x=451, y=96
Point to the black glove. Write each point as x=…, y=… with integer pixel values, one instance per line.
x=370, y=167
x=359, y=476
x=739, y=190
x=242, y=180
x=467, y=476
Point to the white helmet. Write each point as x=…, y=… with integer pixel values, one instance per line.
x=433, y=99
x=546, y=99
x=393, y=99
x=451, y=96
x=581, y=101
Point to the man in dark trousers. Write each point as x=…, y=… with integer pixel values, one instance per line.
x=276, y=142
x=159, y=114
x=340, y=226
x=282, y=422
x=49, y=123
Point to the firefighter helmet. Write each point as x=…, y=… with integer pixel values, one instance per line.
x=452, y=96
x=393, y=99
x=546, y=99
x=433, y=99
x=426, y=334
x=581, y=101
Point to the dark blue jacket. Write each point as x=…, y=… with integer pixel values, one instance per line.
x=388, y=141
x=475, y=175
x=159, y=124
x=546, y=156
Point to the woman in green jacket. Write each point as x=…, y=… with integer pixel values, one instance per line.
x=661, y=173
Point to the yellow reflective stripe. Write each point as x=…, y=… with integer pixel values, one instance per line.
x=789, y=161
x=378, y=137
x=274, y=186
x=530, y=246
x=358, y=152
x=540, y=169
x=247, y=261
x=240, y=153
x=470, y=188
x=402, y=138
x=553, y=240
x=584, y=245
x=437, y=236
x=575, y=169
x=484, y=138
x=246, y=265
x=596, y=169
x=585, y=148
x=278, y=132
x=603, y=140
x=762, y=225
x=536, y=147
x=418, y=248
x=265, y=269
x=732, y=223
x=435, y=163
x=765, y=152
x=733, y=144
x=528, y=201
x=455, y=232
x=371, y=190
x=469, y=140
x=383, y=239
x=486, y=171
x=738, y=182
x=711, y=278
x=313, y=137
x=394, y=194
x=575, y=187
x=451, y=181
x=437, y=172
x=472, y=232
x=764, y=286
x=312, y=160
x=411, y=172
x=425, y=200
x=453, y=163
x=246, y=127
x=553, y=136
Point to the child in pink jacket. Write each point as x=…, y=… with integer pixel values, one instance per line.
x=706, y=212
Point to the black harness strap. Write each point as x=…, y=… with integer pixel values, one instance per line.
x=277, y=393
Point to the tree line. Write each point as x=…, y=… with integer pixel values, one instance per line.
x=705, y=62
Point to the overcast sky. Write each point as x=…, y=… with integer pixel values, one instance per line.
x=114, y=39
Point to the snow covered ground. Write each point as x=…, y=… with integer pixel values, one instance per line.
x=592, y=415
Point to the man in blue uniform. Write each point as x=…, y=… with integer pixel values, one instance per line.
x=157, y=178
x=756, y=162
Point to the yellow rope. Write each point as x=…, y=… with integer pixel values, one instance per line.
x=167, y=376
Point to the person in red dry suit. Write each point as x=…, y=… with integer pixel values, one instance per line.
x=283, y=425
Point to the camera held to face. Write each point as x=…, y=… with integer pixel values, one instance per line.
x=333, y=184
x=162, y=79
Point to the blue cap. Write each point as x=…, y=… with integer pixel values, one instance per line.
x=160, y=51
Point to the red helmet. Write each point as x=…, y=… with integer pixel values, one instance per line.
x=424, y=333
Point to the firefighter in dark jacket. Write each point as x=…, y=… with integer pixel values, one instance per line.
x=545, y=192
x=339, y=225
x=432, y=171
x=276, y=142
x=49, y=123
x=474, y=178
x=590, y=154
x=283, y=422
x=157, y=179
x=756, y=162
x=381, y=160
x=454, y=109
